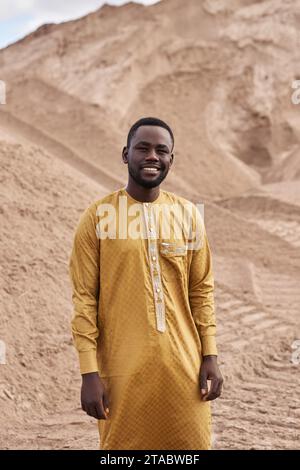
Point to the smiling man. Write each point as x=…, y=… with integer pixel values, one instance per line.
x=144, y=323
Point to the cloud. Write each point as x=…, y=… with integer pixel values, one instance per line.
x=9, y=9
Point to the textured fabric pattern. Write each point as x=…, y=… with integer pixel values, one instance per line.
x=143, y=318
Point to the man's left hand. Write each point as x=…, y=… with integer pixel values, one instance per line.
x=210, y=371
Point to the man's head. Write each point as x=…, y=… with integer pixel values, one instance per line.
x=148, y=153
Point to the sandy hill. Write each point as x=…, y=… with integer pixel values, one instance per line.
x=220, y=73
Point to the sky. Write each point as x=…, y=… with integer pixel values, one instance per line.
x=20, y=17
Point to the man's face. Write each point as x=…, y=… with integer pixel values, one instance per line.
x=149, y=156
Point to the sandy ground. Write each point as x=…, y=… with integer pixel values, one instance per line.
x=221, y=75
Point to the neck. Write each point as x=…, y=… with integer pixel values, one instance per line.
x=142, y=194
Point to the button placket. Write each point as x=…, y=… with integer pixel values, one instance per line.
x=155, y=269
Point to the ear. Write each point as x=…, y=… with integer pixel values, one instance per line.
x=125, y=155
x=171, y=159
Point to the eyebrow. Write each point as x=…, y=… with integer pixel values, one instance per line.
x=143, y=142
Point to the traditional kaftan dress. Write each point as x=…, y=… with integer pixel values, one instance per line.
x=144, y=318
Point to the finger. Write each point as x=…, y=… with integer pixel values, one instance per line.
x=106, y=402
x=91, y=411
x=100, y=411
x=99, y=414
x=203, y=384
x=210, y=396
x=213, y=392
x=220, y=385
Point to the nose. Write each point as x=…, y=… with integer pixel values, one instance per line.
x=151, y=156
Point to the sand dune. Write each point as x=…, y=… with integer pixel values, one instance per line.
x=220, y=73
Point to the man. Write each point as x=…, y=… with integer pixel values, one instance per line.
x=144, y=323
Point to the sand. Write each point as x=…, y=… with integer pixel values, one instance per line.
x=220, y=72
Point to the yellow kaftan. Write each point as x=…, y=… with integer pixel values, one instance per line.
x=144, y=317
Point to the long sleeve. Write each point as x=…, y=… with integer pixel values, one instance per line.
x=201, y=295
x=84, y=274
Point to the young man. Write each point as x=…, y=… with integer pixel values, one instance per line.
x=144, y=323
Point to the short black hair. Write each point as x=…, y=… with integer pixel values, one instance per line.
x=148, y=121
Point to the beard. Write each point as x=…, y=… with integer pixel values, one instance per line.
x=145, y=183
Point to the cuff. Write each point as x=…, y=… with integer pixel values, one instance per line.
x=209, y=346
x=88, y=362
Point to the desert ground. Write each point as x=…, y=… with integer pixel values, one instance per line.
x=220, y=73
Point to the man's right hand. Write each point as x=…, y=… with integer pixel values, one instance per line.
x=94, y=399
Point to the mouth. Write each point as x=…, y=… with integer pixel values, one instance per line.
x=150, y=170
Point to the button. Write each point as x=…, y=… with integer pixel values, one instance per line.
x=153, y=258
x=151, y=229
x=146, y=204
x=158, y=290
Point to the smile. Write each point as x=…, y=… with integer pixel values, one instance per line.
x=151, y=170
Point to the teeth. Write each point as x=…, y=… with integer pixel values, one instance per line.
x=154, y=170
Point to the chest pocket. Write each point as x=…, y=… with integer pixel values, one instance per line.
x=173, y=257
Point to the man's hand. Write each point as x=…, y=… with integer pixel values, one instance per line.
x=210, y=371
x=94, y=399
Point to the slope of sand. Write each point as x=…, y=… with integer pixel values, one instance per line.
x=43, y=199
x=220, y=73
